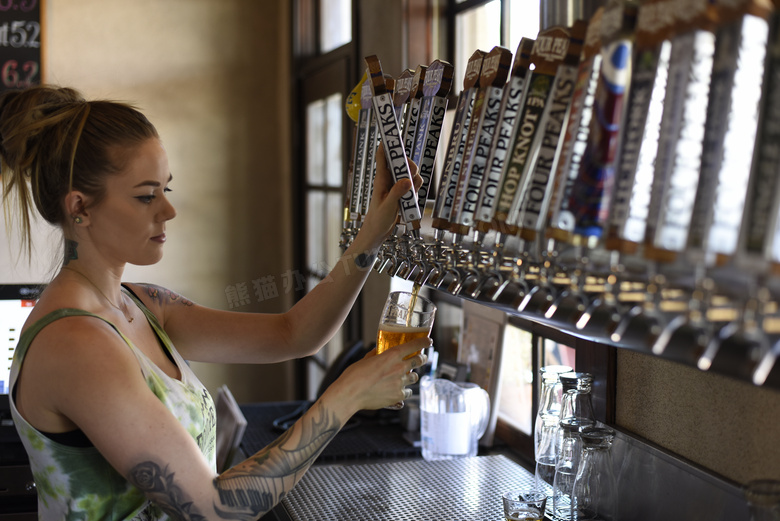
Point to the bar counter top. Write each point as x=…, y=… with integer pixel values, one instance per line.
x=371, y=472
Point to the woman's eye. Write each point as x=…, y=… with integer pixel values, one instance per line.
x=166, y=189
x=145, y=198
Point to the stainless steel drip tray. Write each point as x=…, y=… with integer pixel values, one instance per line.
x=413, y=490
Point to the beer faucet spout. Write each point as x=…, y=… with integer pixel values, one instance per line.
x=401, y=269
x=471, y=282
x=388, y=261
x=414, y=271
x=490, y=280
x=427, y=271
x=452, y=275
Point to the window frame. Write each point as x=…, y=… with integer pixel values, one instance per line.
x=309, y=63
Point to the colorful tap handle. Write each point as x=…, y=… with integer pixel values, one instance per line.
x=560, y=220
x=591, y=192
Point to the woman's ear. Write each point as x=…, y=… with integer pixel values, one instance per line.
x=76, y=208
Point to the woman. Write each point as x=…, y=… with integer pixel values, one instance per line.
x=115, y=423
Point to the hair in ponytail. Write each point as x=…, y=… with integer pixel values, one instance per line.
x=53, y=141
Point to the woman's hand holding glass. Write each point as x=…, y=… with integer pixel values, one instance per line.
x=405, y=317
x=381, y=381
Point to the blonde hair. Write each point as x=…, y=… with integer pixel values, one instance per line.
x=53, y=141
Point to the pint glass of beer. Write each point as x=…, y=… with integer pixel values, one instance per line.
x=406, y=316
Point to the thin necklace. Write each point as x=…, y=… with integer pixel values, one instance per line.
x=122, y=310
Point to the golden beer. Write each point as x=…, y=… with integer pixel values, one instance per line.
x=391, y=335
x=406, y=316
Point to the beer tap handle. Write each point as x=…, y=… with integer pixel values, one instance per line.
x=681, y=139
x=494, y=71
x=591, y=194
x=539, y=181
x=358, y=108
x=560, y=221
x=438, y=82
x=640, y=141
x=395, y=154
x=512, y=101
x=412, y=117
x=549, y=49
x=401, y=92
x=451, y=172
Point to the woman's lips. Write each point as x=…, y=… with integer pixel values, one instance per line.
x=159, y=238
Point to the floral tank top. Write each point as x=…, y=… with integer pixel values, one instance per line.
x=77, y=483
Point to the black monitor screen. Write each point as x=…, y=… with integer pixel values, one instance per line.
x=16, y=303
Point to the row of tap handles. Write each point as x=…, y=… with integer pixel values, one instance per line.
x=618, y=178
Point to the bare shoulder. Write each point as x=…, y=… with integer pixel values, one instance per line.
x=68, y=364
x=78, y=341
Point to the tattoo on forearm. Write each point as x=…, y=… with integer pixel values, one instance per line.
x=253, y=487
x=365, y=260
x=160, y=294
x=259, y=483
x=159, y=484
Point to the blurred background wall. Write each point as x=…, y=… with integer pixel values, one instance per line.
x=213, y=76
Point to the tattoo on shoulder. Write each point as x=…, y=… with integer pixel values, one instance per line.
x=159, y=484
x=165, y=296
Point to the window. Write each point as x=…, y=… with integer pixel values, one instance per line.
x=555, y=353
x=477, y=28
x=324, y=170
x=516, y=405
x=324, y=58
x=335, y=24
x=523, y=20
x=520, y=366
x=487, y=23
x=321, y=26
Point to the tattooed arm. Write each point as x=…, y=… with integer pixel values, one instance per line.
x=253, y=487
x=256, y=485
x=80, y=374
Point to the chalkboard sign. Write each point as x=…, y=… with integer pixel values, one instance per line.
x=20, y=43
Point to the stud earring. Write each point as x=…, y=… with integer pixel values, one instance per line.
x=77, y=220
